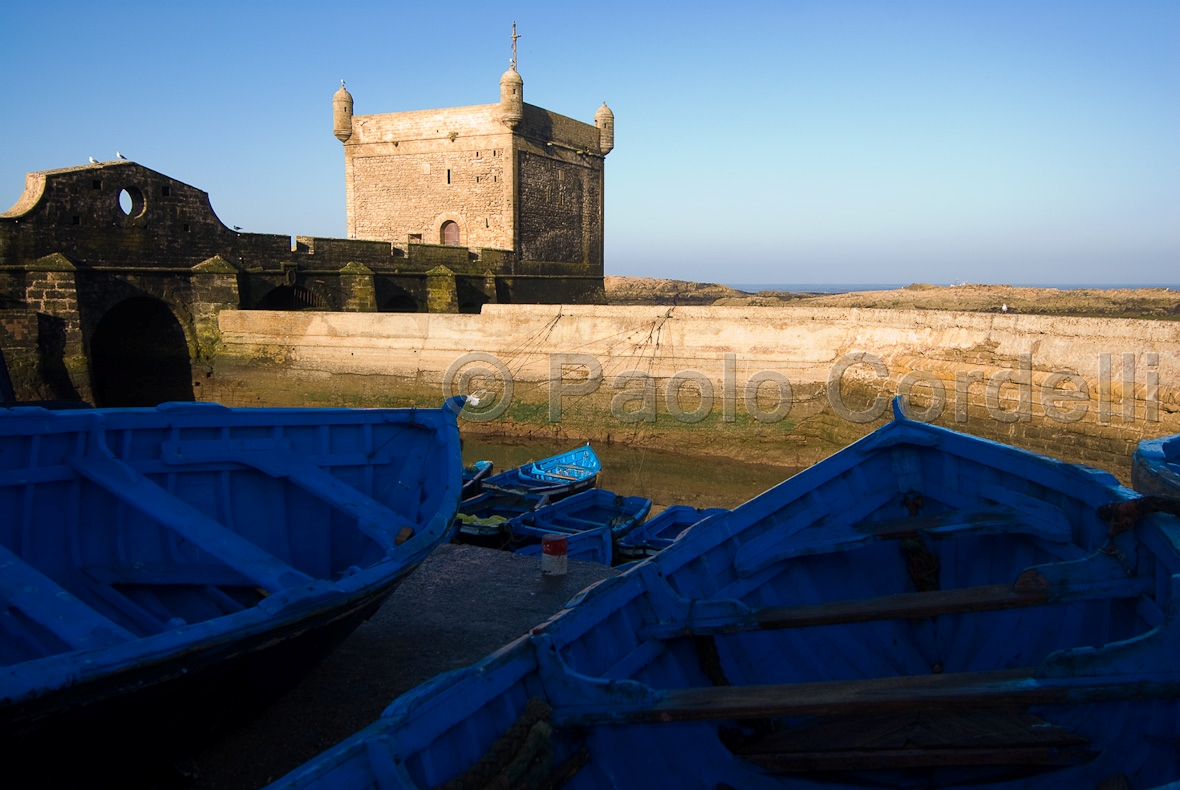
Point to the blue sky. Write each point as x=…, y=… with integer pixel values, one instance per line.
x=831, y=141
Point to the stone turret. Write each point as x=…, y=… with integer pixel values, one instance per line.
x=604, y=119
x=511, y=98
x=342, y=114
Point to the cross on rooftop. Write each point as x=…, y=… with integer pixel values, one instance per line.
x=514, y=37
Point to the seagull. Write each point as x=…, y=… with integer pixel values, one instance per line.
x=1005, y=307
x=237, y=227
x=120, y=156
x=93, y=161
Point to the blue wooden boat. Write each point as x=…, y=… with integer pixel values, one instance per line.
x=482, y=520
x=558, y=476
x=571, y=466
x=595, y=509
x=1155, y=467
x=165, y=571
x=473, y=477
x=520, y=490
x=658, y=533
x=922, y=609
x=591, y=545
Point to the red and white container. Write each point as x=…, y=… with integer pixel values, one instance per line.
x=554, y=559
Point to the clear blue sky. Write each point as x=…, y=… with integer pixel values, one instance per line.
x=827, y=141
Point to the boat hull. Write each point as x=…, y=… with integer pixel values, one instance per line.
x=123, y=727
x=1155, y=467
x=660, y=532
x=830, y=633
x=164, y=572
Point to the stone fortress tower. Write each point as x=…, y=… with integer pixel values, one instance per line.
x=509, y=178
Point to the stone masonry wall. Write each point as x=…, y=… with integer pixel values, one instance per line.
x=396, y=196
x=397, y=168
x=408, y=173
x=552, y=194
x=1013, y=378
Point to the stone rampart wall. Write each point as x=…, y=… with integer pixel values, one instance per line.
x=1077, y=388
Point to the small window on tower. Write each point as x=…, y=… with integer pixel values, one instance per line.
x=96, y=184
x=477, y=179
x=165, y=191
x=77, y=220
x=448, y=175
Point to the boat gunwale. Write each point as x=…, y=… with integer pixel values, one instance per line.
x=601, y=601
x=27, y=680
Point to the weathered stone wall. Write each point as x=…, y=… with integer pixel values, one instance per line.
x=553, y=197
x=341, y=359
x=70, y=253
x=404, y=189
x=535, y=189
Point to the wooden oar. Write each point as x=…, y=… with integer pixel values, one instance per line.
x=1030, y=589
x=1014, y=688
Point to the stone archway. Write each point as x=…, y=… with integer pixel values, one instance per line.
x=139, y=355
x=291, y=297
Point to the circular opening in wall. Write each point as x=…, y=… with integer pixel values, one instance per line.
x=131, y=201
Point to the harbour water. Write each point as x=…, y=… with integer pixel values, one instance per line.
x=665, y=478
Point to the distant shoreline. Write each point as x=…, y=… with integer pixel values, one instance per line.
x=1142, y=302
x=843, y=288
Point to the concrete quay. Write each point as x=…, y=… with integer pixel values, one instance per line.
x=460, y=605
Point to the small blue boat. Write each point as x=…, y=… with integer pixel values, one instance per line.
x=591, y=545
x=166, y=571
x=589, y=510
x=558, y=476
x=521, y=490
x=658, y=533
x=482, y=520
x=572, y=466
x=922, y=609
x=1155, y=467
x=473, y=477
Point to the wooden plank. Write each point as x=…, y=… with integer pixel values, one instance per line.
x=51, y=606
x=373, y=518
x=901, y=606
x=988, y=598
x=811, y=540
x=264, y=569
x=1015, y=688
x=954, y=520
x=866, y=760
x=923, y=730
x=169, y=574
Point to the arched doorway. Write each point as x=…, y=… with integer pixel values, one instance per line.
x=139, y=355
x=471, y=298
x=450, y=232
x=291, y=297
x=398, y=300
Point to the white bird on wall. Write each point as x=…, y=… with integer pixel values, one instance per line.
x=120, y=156
x=93, y=161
